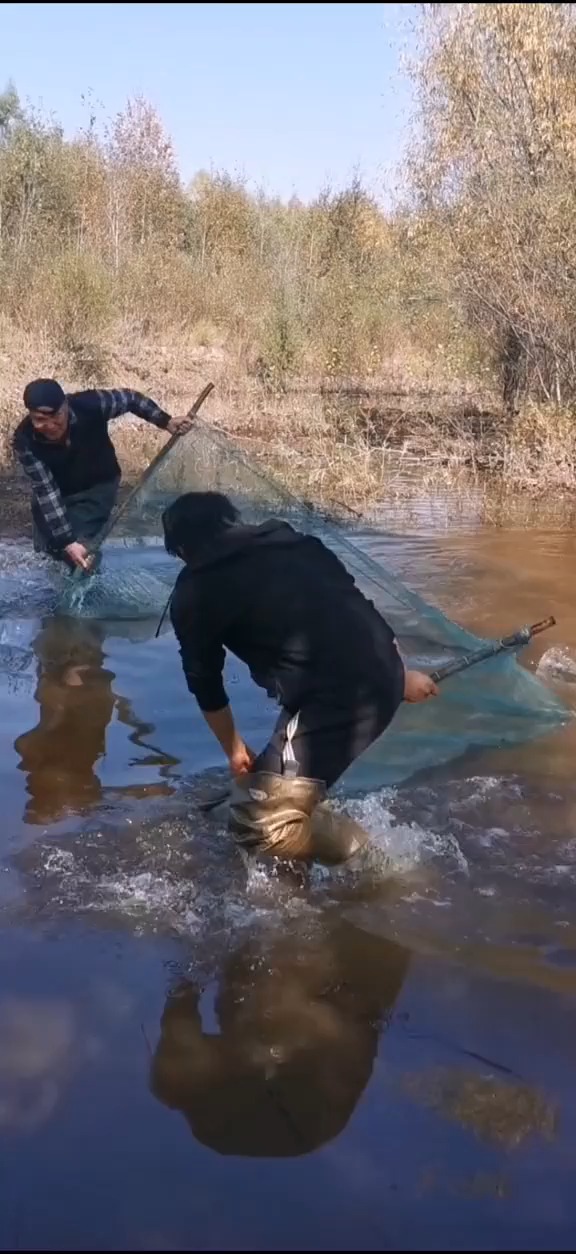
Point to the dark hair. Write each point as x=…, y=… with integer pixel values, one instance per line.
x=195, y=518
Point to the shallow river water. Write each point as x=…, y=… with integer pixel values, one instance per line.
x=196, y=1054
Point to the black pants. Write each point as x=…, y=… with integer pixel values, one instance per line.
x=331, y=730
x=87, y=511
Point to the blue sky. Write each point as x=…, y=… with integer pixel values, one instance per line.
x=288, y=95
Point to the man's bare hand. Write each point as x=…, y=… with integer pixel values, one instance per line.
x=79, y=555
x=179, y=426
x=241, y=759
x=418, y=687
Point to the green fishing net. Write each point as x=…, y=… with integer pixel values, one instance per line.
x=497, y=702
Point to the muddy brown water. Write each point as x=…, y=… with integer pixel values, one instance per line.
x=196, y=1055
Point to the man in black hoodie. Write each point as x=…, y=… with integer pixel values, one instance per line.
x=285, y=605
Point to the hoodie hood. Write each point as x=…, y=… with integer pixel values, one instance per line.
x=272, y=533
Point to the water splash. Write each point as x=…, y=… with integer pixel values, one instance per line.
x=183, y=873
x=558, y=662
x=403, y=846
x=133, y=583
x=123, y=594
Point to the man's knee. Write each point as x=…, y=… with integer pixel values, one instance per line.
x=288, y=818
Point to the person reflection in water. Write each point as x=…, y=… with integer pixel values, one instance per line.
x=74, y=693
x=298, y=1035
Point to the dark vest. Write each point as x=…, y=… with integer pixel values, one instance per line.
x=87, y=458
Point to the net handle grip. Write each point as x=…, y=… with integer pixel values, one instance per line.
x=107, y=528
x=543, y=625
x=517, y=640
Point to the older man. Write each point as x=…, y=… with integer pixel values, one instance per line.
x=64, y=447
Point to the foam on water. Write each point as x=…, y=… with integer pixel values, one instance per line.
x=559, y=662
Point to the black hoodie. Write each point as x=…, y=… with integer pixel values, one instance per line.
x=285, y=605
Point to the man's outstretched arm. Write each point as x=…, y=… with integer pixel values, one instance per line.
x=115, y=402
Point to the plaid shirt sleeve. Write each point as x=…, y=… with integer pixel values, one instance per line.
x=118, y=401
x=47, y=494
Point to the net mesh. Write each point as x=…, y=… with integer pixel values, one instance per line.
x=497, y=702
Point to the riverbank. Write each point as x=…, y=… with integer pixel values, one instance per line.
x=348, y=442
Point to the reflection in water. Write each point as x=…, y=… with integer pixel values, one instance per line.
x=504, y=1113
x=293, y=1050
x=77, y=703
x=37, y=1040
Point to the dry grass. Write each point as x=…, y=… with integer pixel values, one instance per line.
x=351, y=448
